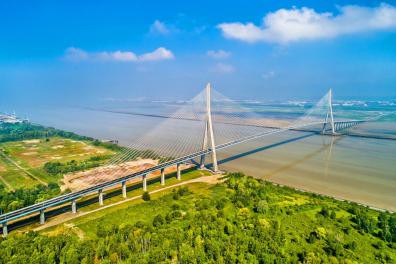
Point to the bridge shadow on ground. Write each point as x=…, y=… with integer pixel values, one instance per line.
x=89, y=201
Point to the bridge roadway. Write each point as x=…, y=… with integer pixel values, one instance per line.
x=72, y=197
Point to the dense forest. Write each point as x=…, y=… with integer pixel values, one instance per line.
x=242, y=220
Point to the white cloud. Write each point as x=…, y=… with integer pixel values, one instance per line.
x=218, y=54
x=268, y=75
x=115, y=56
x=76, y=54
x=223, y=68
x=291, y=25
x=159, y=27
x=158, y=54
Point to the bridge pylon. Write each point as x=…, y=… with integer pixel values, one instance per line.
x=208, y=133
x=329, y=114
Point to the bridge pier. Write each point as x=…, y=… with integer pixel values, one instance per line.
x=124, y=189
x=74, y=206
x=144, y=182
x=163, y=176
x=5, y=230
x=42, y=217
x=101, y=197
x=178, y=174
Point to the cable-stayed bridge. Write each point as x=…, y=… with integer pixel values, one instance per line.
x=198, y=129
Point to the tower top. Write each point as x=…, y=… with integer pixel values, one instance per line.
x=208, y=87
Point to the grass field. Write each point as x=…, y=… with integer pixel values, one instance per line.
x=22, y=159
x=151, y=187
x=88, y=222
x=12, y=177
x=37, y=152
x=136, y=211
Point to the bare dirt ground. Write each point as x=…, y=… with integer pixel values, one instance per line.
x=82, y=180
x=62, y=219
x=31, y=141
x=75, y=230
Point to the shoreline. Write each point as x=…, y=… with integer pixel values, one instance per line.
x=299, y=189
x=378, y=209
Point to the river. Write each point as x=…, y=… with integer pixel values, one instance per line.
x=358, y=169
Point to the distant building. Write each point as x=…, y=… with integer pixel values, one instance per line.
x=112, y=141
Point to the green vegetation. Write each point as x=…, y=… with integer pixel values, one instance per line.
x=243, y=220
x=10, y=201
x=146, y=196
x=34, y=158
x=170, y=181
x=12, y=177
x=55, y=168
x=26, y=163
x=23, y=131
x=26, y=131
x=30, y=157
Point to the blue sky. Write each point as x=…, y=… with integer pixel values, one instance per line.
x=80, y=52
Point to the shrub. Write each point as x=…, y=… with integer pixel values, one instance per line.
x=325, y=212
x=158, y=220
x=261, y=207
x=333, y=215
x=146, y=196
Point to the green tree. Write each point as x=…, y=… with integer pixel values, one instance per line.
x=146, y=196
x=158, y=220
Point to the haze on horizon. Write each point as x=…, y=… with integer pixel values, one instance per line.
x=76, y=53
